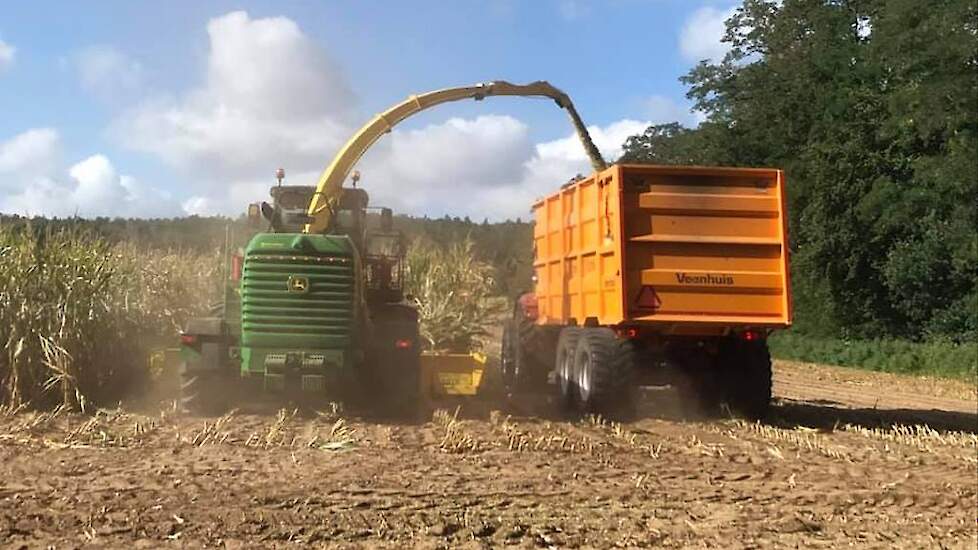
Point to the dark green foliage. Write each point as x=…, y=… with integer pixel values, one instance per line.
x=878, y=134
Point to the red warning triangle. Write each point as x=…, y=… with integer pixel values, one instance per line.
x=647, y=298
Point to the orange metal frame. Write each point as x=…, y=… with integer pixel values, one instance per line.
x=681, y=248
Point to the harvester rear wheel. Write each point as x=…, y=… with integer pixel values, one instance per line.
x=745, y=371
x=202, y=393
x=393, y=369
x=603, y=364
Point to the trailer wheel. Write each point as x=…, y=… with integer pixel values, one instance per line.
x=203, y=393
x=565, y=369
x=603, y=367
x=745, y=370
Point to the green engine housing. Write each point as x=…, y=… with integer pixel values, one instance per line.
x=300, y=302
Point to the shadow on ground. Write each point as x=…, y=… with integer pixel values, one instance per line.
x=825, y=415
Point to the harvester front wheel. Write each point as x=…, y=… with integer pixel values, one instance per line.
x=603, y=365
x=202, y=393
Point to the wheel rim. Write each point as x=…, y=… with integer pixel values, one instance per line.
x=564, y=375
x=584, y=379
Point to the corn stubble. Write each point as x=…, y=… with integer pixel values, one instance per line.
x=77, y=314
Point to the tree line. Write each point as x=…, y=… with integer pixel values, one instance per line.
x=871, y=107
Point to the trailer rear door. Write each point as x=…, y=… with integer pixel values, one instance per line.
x=704, y=245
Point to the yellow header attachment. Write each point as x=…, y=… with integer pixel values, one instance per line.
x=331, y=181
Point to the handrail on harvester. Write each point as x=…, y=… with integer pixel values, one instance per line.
x=331, y=181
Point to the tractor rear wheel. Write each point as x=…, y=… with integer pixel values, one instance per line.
x=203, y=393
x=522, y=371
x=507, y=354
x=603, y=364
x=529, y=374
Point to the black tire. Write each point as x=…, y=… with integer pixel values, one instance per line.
x=522, y=371
x=529, y=373
x=604, y=366
x=203, y=393
x=507, y=355
x=745, y=370
x=395, y=373
x=564, y=368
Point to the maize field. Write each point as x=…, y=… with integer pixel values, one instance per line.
x=78, y=315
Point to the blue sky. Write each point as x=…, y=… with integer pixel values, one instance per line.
x=164, y=109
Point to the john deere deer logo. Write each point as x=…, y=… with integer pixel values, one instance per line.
x=298, y=285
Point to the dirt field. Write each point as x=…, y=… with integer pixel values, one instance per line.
x=849, y=459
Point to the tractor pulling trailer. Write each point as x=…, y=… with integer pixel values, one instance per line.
x=652, y=275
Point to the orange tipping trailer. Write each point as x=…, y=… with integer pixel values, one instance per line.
x=658, y=272
x=686, y=249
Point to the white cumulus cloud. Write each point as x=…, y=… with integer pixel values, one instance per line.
x=702, y=34
x=34, y=182
x=30, y=153
x=485, y=167
x=7, y=54
x=270, y=96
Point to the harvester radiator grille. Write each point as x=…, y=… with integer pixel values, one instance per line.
x=297, y=295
